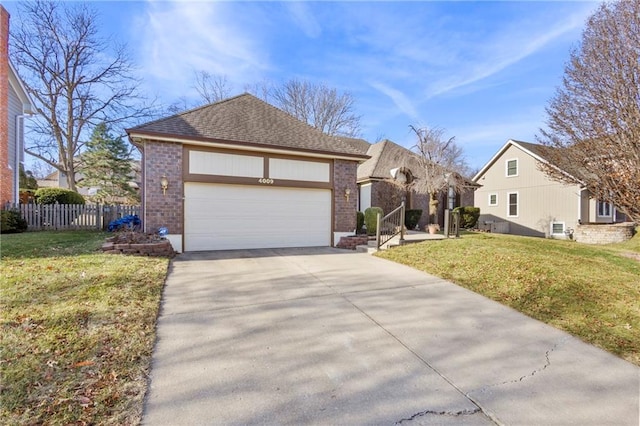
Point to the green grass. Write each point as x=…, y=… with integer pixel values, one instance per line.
x=78, y=328
x=592, y=292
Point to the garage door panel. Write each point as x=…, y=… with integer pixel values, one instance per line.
x=223, y=217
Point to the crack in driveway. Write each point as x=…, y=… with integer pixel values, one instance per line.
x=547, y=363
x=440, y=413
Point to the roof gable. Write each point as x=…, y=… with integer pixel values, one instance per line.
x=18, y=87
x=534, y=150
x=246, y=120
x=387, y=155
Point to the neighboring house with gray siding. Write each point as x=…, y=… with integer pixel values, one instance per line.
x=518, y=198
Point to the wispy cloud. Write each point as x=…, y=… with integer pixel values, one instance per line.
x=400, y=100
x=303, y=17
x=177, y=38
x=510, y=47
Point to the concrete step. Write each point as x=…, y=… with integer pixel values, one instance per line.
x=367, y=249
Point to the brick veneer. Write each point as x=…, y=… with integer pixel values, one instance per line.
x=6, y=175
x=165, y=159
x=162, y=159
x=351, y=242
x=344, y=177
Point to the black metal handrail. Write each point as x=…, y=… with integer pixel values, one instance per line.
x=390, y=226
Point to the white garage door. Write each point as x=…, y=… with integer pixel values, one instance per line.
x=226, y=217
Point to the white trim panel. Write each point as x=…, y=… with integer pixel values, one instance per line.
x=365, y=196
x=220, y=164
x=309, y=171
x=228, y=217
x=176, y=242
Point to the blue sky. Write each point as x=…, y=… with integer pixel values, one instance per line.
x=484, y=71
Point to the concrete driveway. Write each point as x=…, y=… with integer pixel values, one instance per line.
x=325, y=336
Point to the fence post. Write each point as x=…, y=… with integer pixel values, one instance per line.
x=98, y=218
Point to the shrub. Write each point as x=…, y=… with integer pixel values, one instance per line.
x=371, y=219
x=412, y=217
x=359, y=222
x=468, y=216
x=11, y=222
x=58, y=195
x=26, y=195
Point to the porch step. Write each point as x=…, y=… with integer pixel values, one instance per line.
x=409, y=238
x=367, y=249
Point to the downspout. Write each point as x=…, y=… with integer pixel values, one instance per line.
x=143, y=198
x=19, y=159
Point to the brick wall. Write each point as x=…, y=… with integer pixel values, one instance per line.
x=603, y=233
x=388, y=196
x=344, y=176
x=6, y=174
x=162, y=159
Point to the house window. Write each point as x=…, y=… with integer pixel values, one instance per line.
x=513, y=204
x=604, y=209
x=512, y=167
x=557, y=228
x=493, y=199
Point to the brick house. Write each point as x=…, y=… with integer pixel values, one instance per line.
x=376, y=185
x=14, y=104
x=240, y=174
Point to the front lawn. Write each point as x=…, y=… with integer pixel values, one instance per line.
x=592, y=292
x=78, y=328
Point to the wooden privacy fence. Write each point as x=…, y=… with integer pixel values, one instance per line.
x=72, y=216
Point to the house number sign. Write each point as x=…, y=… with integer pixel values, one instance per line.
x=265, y=180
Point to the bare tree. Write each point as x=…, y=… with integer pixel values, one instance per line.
x=180, y=105
x=441, y=165
x=41, y=169
x=212, y=88
x=262, y=89
x=76, y=78
x=593, y=120
x=318, y=105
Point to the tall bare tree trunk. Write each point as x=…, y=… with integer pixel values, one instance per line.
x=433, y=207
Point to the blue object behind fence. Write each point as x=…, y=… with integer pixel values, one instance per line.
x=131, y=222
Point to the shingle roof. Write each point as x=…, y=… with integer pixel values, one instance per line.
x=539, y=150
x=247, y=120
x=360, y=144
x=387, y=155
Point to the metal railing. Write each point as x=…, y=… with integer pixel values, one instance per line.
x=390, y=226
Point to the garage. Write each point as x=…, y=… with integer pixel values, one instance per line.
x=227, y=217
x=242, y=174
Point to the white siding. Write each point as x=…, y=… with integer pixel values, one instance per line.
x=216, y=163
x=308, y=171
x=365, y=196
